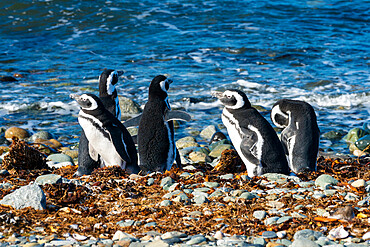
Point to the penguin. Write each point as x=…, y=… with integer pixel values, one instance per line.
x=252, y=136
x=156, y=137
x=109, y=97
x=300, y=135
x=109, y=142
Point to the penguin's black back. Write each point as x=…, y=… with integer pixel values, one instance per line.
x=308, y=134
x=273, y=156
x=153, y=140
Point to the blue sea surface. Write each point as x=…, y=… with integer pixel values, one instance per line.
x=316, y=51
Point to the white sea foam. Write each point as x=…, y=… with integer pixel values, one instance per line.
x=248, y=84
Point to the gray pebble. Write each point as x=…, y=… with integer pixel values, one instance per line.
x=283, y=219
x=166, y=181
x=302, y=242
x=247, y=196
x=26, y=196
x=269, y=234
x=200, y=199
x=259, y=214
x=150, y=224
x=211, y=184
x=271, y=220
x=48, y=179
x=60, y=158
x=227, y=176
x=182, y=197
x=196, y=240
x=324, y=180
x=307, y=234
x=173, y=234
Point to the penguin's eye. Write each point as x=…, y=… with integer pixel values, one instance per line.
x=228, y=96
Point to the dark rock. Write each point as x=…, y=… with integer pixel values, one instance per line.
x=7, y=79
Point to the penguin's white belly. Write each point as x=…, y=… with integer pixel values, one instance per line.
x=232, y=126
x=101, y=144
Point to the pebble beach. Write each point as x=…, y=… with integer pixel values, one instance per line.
x=210, y=202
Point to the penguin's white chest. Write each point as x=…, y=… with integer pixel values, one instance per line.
x=99, y=142
x=235, y=134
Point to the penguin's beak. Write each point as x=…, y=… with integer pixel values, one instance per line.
x=217, y=94
x=120, y=72
x=77, y=98
x=169, y=81
x=74, y=96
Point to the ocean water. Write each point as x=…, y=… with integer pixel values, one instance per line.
x=316, y=51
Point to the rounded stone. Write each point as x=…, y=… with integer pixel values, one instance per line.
x=60, y=158
x=48, y=179
x=211, y=184
x=166, y=203
x=247, y=196
x=71, y=153
x=304, y=243
x=186, y=142
x=167, y=181
x=128, y=106
x=354, y=134
x=324, y=180
x=359, y=183
x=44, y=135
x=269, y=234
x=259, y=214
x=216, y=152
x=199, y=157
x=208, y=132
x=16, y=132
x=307, y=234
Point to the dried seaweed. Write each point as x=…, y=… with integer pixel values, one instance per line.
x=112, y=197
x=23, y=157
x=230, y=162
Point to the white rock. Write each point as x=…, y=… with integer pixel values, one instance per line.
x=219, y=235
x=366, y=236
x=358, y=183
x=120, y=235
x=79, y=237
x=338, y=233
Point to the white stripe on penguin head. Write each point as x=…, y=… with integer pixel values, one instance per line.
x=110, y=86
x=277, y=111
x=239, y=99
x=93, y=106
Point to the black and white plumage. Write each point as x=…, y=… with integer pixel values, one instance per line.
x=108, y=139
x=108, y=95
x=252, y=136
x=300, y=136
x=156, y=137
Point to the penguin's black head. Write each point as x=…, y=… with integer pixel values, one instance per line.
x=87, y=101
x=107, y=81
x=233, y=99
x=159, y=86
x=278, y=115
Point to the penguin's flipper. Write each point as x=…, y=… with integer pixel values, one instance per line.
x=93, y=154
x=248, y=146
x=132, y=122
x=116, y=137
x=177, y=115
